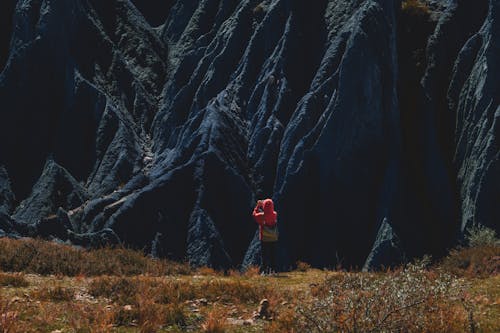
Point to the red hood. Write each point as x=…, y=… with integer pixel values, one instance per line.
x=268, y=207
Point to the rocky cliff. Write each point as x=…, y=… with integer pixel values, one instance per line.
x=373, y=124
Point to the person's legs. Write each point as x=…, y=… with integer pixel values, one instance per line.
x=272, y=257
x=268, y=257
x=265, y=257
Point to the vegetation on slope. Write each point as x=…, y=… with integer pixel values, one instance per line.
x=119, y=290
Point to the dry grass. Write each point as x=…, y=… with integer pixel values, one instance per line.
x=252, y=271
x=415, y=298
x=56, y=293
x=16, y=280
x=8, y=318
x=123, y=290
x=47, y=258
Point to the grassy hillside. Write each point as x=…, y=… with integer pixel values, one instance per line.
x=46, y=287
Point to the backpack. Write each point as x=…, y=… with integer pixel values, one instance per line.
x=270, y=234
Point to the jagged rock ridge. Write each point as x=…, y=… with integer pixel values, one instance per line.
x=158, y=126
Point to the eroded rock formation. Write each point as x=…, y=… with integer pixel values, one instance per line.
x=374, y=128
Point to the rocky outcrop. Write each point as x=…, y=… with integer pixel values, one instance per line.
x=158, y=124
x=56, y=188
x=474, y=97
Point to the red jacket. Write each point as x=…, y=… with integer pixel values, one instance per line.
x=264, y=214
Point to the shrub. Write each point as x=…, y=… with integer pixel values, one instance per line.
x=481, y=261
x=480, y=236
x=408, y=300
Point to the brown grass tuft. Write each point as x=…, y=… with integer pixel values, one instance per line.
x=207, y=271
x=55, y=293
x=215, y=322
x=252, y=271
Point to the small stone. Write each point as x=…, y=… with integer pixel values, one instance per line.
x=127, y=307
x=248, y=322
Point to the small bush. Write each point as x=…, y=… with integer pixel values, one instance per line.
x=480, y=236
x=13, y=280
x=481, y=262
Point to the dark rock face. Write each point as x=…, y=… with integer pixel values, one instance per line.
x=6, y=195
x=158, y=124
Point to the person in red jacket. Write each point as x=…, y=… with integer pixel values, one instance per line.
x=267, y=218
